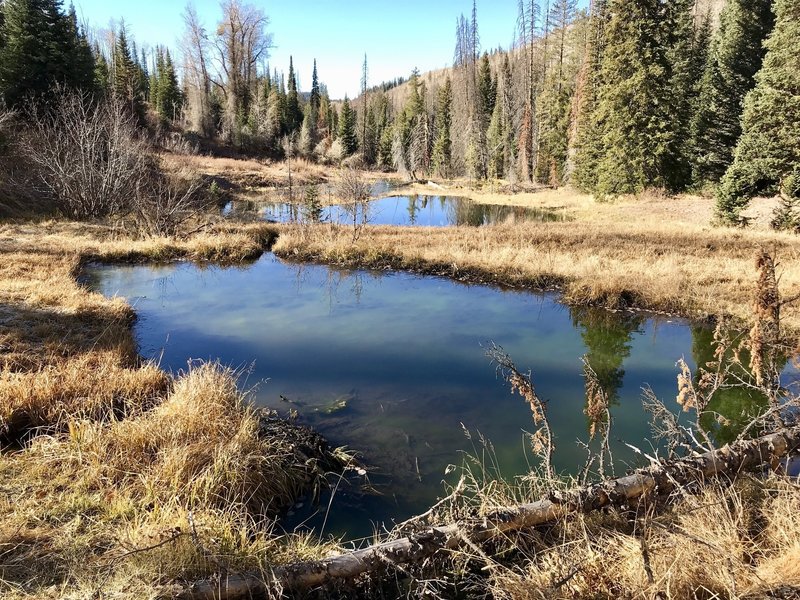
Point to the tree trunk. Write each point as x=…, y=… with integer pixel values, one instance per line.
x=742, y=455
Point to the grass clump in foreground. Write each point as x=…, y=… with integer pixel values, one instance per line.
x=116, y=478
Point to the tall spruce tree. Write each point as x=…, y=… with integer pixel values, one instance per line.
x=169, y=94
x=347, y=129
x=588, y=145
x=294, y=115
x=735, y=56
x=632, y=100
x=125, y=75
x=314, y=100
x=443, y=146
x=42, y=46
x=81, y=65
x=767, y=157
x=687, y=55
x=102, y=77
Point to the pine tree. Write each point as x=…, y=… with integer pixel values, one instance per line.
x=145, y=75
x=125, y=74
x=81, y=65
x=487, y=91
x=315, y=99
x=369, y=145
x=767, y=157
x=588, y=146
x=274, y=126
x=169, y=98
x=294, y=116
x=686, y=56
x=347, y=129
x=102, y=81
x=443, y=146
x=734, y=58
x=41, y=47
x=632, y=103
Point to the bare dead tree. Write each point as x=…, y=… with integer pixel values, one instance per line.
x=229, y=61
x=195, y=46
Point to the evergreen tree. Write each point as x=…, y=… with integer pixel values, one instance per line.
x=347, y=129
x=274, y=126
x=315, y=99
x=487, y=91
x=588, y=146
x=82, y=61
x=169, y=98
x=767, y=157
x=125, y=75
x=632, y=98
x=325, y=120
x=734, y=58
x=102, y=79
x=369, y=146
x=145, y=76
x=686, y=56
x=500, y=137
x=443, y=146
x=294, y=116
x=41, y=47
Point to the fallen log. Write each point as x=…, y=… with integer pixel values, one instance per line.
x=661, y=478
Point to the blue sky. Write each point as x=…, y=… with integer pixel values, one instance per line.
x=396, y=35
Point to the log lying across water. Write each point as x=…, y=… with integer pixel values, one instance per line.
x=729, y=460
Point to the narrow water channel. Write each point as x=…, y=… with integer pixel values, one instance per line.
x=392, y=365
x=419, y=211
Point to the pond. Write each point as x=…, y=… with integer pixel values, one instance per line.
x=421, y=211
x=393, y=366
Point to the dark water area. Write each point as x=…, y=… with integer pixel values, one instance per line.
x=393, y=366
x=421, y=211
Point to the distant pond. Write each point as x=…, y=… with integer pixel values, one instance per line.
x=392, y=365
x=414, y=210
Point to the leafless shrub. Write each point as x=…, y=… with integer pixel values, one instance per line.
x=354, y=192
x=87, y=156
x=169, y=202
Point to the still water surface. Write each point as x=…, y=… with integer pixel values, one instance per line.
x=392, y=365
x=421, y=211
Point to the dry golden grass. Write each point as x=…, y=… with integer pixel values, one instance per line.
x=252, y=177
x=655, y=263
x=731, y=542
x=123, y=481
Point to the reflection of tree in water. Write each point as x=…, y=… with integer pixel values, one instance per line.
x=412, y=210
x=731, y=408
x=607, y=336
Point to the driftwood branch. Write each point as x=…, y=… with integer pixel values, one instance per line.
x=729, y=460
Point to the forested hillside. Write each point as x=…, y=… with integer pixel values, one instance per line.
x=624, y=97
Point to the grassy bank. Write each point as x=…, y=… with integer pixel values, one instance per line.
x=120, y=480
x=116, y=478
x=650, y=263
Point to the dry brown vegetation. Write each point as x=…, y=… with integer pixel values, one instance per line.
x=117, y=478
x=728, y=541
x=629, y=254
